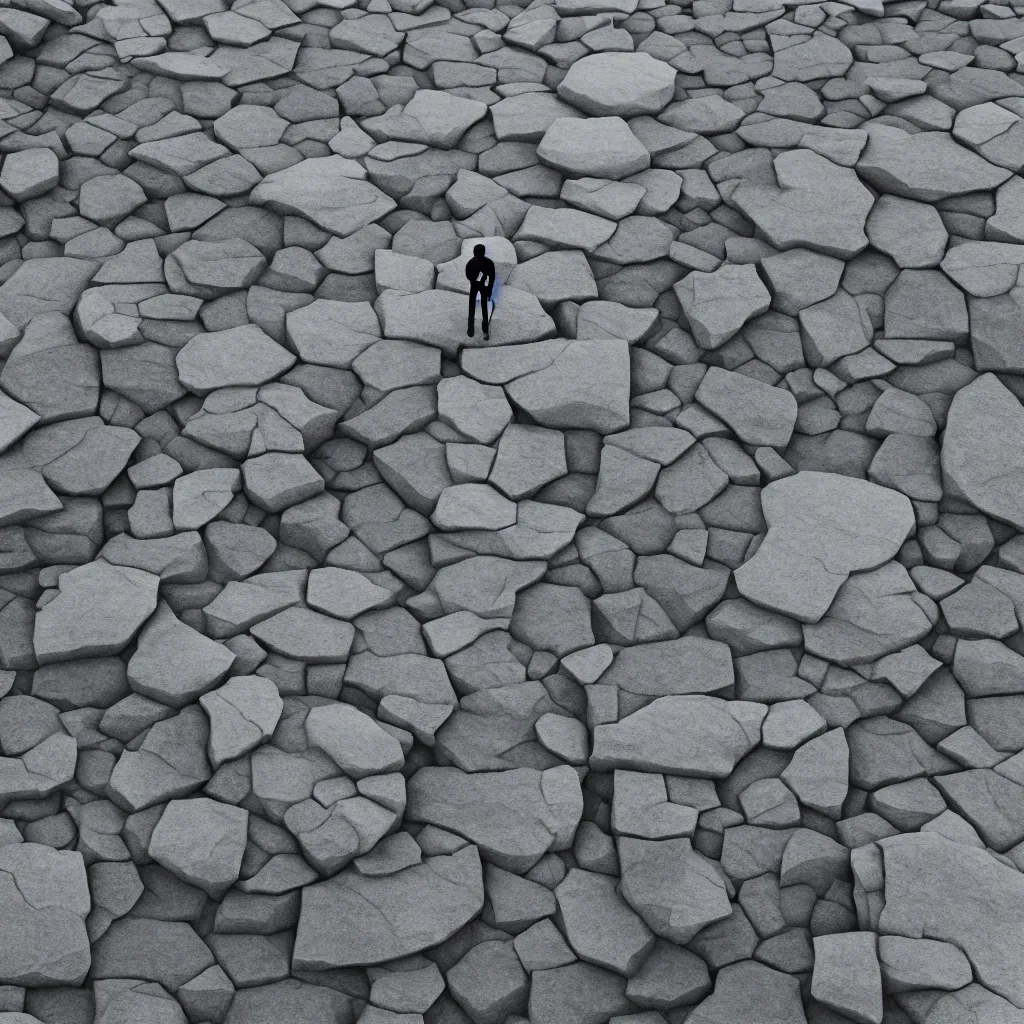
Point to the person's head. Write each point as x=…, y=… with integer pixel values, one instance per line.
x=478, y=250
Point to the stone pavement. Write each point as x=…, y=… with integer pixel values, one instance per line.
x=657, y=659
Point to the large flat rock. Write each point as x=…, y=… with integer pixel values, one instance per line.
x=353, y=920
x=983, y=449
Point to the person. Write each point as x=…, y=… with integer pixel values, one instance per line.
x=480, y=274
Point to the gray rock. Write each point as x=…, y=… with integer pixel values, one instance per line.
x=983, y=472
x=29, y=173
x=352, y=920
x=541, y=810
x=672, y=887
x=618, y=84
x=332, y=333
x=436, y=118
x=742, y=985
x=171, y=762
x=821, y=56
x=173, y=663
x=288, y=1002
x=691, y=735
x=757, y=414
x=201, y=841
x=909, y=965
x=354, y=741
x=815, y=204
x=600, y=146
x=821, y=527
x=927, y=166
x=97, y=612
x=48, y=285
x=954, y=893
x=330, y=191
x=243, y=712
x=582, y=385
x=847, y=977
x=600, y=926
x=45, y=900
x=718, y=304
x=305, y=634
x=167, y=952
x=489, y=982
x=873, y=614
x=236, y=357
x=673, y=667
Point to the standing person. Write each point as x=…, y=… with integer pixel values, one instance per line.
x=480, y=274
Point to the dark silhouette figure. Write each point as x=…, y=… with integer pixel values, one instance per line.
x=480, y=274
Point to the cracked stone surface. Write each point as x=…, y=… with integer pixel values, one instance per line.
x=656, y=656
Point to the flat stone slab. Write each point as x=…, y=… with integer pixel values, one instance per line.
x=353, y=920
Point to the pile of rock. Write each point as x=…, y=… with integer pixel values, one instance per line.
x=656, y=659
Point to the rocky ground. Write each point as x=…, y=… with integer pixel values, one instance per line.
x=657, y=659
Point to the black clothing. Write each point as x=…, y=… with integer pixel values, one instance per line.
x=480, y=274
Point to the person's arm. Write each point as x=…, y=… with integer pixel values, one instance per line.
x=490, y=275
x=469, y=270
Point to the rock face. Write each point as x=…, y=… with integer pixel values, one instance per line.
x=652, y=652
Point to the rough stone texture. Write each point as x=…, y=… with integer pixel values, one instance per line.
x=652, y=655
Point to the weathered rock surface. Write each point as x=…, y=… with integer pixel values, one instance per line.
x=652, y=654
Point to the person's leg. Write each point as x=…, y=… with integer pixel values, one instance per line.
x=472, y=311
x=485, y=298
